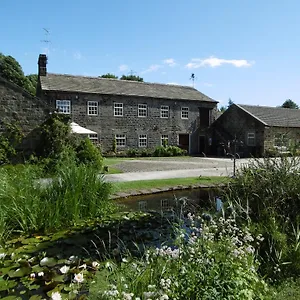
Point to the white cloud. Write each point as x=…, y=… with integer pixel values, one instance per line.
x=123, y=68
x=152, y=68
x=217, y=62
x=170, y=62
x=77, y=55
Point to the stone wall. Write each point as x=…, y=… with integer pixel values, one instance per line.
x=19, y=107
x=107, y=125
x=281, y=136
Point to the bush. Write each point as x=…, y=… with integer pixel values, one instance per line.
x=87, y=153
x=132, y=153
x=267, y=194
x=168, y=151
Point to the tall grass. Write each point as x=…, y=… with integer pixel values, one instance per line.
x=76, y=193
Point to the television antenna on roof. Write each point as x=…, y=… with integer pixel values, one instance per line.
x=193, y=78
x=46, y=40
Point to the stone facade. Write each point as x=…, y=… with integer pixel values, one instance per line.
x=131, y=125
x=19, y=107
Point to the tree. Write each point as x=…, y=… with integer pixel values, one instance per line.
x=12, y=71
x=230, y=102
x=33, y=79
x=132, y=77
x=289, y=104
x=109, y=75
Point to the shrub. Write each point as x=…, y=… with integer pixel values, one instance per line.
x=267, y=194
x=168, y=151
x=132, y=153
x=87, y=153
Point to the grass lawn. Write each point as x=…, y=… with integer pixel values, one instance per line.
x=148, y=184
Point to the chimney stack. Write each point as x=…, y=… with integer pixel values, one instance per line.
x=42, y=62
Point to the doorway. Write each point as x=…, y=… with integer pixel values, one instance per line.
x=184, y=141
x=201, y=144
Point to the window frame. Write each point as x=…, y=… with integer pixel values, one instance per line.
x=118, y=107
x=143, y=109
x=91, y=108
x=251, y=137
x=60, y=103
x=164, y=137
x=184, y=110
x=143, y=141
x=93, y=137
x=120, y=137
x=164, y=111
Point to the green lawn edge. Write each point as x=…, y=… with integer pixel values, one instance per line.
x=170, y=182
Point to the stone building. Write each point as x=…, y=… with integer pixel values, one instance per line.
x=133, y=114
x=20, y=108
x=258, y=130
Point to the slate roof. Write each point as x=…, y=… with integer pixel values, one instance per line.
x=273, y=116
x=96, y=85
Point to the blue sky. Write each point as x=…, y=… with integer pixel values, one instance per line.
x=246, y=50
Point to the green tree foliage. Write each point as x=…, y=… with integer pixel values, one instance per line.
x=132, y=77
x=289, y=104
x=230, y=102
x=12, y=71
x=109, y=75
x=33, y=79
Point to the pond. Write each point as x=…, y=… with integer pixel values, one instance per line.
x=31, y=267
x=190, y=200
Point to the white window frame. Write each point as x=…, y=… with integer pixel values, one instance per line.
x=142, y=205
x=165, y=204
x=93, y=137
x=251, y=139
x=164, y=111
x=92, y=108
x=142, y=110
x=164, y=137
x=184, y=113
x=143, y=141
x=118, y=109
x=120, y=140
x=63, y=106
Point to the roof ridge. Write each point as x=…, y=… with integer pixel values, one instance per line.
x=114, y=79
x=266, y=106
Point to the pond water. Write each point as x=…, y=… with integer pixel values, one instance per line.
x=189, y=199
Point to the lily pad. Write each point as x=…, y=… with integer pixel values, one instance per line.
x=48, y=262
x=20, y=272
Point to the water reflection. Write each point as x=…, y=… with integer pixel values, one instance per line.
x=190, y=199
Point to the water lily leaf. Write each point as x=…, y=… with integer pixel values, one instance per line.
x=7, y=284
x=33, y=287
x=59, y=278
x=12, y=298
x=37, y=269
x=20, y=272
x=48, y=262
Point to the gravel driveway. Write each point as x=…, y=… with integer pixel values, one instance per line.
x=168, y=164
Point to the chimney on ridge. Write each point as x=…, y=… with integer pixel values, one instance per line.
x=42, y=62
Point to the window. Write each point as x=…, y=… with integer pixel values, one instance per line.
x=251, y=139
x=142, y=205
x=142, y=110
x=142, y=140
x=184, y=112
x=118, y=109
x=120, y=140
x=63, y=106
x=164, y=140
x=93, y=138
x=165, y=204
x=92, y=108
x=164, y=111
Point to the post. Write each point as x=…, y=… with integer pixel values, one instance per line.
x=234, y=156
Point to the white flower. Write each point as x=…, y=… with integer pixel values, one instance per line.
x=40, y=274
x=78, y=278
x=65, y=269
x=32, y=275
x=95, y=264
x=56, y=296
x=2, y=255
